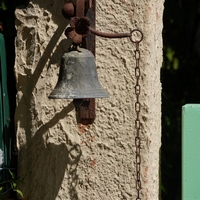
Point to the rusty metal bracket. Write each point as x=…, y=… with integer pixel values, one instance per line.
x=80, y=8
x=82, y=16
x=83, y=23
x=87, y=113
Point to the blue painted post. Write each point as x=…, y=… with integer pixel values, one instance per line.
x=191, y=152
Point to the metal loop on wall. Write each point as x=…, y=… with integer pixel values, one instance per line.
x=137, y=34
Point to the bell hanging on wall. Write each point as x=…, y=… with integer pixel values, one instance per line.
x=78, y=77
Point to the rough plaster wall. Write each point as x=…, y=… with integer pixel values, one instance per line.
x=60, y=159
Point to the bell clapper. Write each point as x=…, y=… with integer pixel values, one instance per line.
x=77, y=104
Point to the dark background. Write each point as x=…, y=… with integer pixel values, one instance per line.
x=180, y=79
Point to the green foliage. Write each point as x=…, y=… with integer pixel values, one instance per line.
x=3, y=5
x=12, y=4
x=172, y=62
x=12, y=184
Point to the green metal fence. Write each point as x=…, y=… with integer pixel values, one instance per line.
x=4, y=111
x=191, y=152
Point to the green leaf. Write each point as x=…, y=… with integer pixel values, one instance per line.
x=176, y=64
x=12, y=175
x=3, y=6
x=14, y=185
x=19, y=192
x=170, y=54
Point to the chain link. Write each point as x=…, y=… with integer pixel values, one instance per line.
x=137, y=110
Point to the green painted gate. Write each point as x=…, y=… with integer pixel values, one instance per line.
x=191, y=152
x=4, y=111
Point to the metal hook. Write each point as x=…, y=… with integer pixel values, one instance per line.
x=118, y=35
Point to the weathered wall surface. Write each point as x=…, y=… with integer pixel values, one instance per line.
x=60, y=159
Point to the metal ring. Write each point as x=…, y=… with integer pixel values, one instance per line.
x=136, y=41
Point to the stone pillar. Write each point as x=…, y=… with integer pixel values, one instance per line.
x=60, y=159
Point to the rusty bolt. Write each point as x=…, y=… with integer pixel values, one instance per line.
x=68, y=10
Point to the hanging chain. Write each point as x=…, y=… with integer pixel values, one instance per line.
x=137, y=110
x=137, y=122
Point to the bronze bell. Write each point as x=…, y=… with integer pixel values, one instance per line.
x=78, y=77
